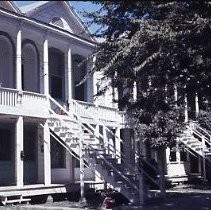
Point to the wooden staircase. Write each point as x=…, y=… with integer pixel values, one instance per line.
x=81, y=139
x=197, y=140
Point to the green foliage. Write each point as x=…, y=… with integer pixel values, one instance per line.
x=157, y=45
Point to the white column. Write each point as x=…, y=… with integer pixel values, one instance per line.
x=135, y=91
x=175, y=94
x=45, y=67
x=19, y=152
x=18, y=61
x=167, y=155
x=196, y=104
x=118, y=145
x=186, y=108
x=105, y=139
x=47, y=155
x=69, y=76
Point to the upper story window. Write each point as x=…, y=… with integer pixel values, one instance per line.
x=57, y=22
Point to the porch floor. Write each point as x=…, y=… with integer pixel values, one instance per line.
x=39, y=189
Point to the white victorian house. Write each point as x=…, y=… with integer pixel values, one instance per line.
x=46, y=147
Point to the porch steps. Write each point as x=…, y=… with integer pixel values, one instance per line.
x=11, y=198
x=197, y=140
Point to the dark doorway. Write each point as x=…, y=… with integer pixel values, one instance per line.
x=30, y=154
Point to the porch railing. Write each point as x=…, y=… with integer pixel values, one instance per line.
x=30, y=100
x=8, y=97
x=23, y=100
x=108, y=114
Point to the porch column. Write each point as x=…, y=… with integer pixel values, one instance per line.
x=135, y=91
x=19, y=152
x=105, y=139
x=197, y=104
x=47, y=155
x=118, y=145
x=175, y=94
x=68, y=76
x=45, y=67
x=186, y=108
x=18, y=61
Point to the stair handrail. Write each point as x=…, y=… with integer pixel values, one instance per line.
x=195, y=128
x=204, y=132
x=78, y=118
x=98, y=122
x=68, y=149
x=114, y=168
x=101, y=123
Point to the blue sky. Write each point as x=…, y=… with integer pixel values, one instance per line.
x=78, y=6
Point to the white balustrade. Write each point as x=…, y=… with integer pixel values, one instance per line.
x=8, y=97
x=89, y=110
x=24, y=102
x=33, y=99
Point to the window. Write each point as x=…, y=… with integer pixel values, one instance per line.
x=57, y=22
x=5, y=145
x=56, y=86
x=56, y=72
x=58, y=154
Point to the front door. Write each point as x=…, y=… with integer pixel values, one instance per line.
x=30, y=155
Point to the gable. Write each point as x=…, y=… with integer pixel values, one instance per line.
x=9, y=5
x=59, y=14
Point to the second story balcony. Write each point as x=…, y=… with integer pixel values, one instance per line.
x=29, y=104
